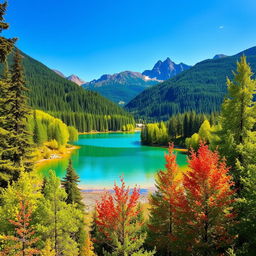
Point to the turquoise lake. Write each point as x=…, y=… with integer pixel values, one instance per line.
x=103, y=158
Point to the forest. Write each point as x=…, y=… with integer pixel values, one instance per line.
x=177, y=129
x=206, y=209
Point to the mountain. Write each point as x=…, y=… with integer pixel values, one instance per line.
x=120, y=87
x=59, y=73
x=165, y=70
x=72, y=78
x=219, y=56
x=200, y=88
x=75, y=79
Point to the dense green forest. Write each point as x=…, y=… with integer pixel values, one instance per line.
x=92, y=122
x=177, y=129
x=202, y=89
x=50, y=92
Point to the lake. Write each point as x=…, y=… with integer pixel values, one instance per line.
x=103, y=158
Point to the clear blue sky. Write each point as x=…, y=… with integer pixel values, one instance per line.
x=91, y=38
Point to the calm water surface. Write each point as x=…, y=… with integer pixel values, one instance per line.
x=103, y=158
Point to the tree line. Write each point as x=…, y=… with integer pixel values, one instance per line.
x=176, y=129
x=92, y=122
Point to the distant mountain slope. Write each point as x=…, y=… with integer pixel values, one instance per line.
x=165, y=70
x=120, y=87
x=75, y=79
x=201, y=88
x=50, y=92
x=59, y=73
x=219, y=56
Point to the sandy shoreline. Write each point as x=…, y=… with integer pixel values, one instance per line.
x=90, y=197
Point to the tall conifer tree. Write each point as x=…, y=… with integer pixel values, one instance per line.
x=70, y=182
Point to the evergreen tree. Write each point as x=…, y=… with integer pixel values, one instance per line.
x=17, y=116
x=57, y=220
x=238, y=143
x=38, y=136
x=69, y=183
x=8, y=171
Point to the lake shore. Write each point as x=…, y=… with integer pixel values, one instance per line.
x=56, y=155
x=91, y=197
x=106, y=132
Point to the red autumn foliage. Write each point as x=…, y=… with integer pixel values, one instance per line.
x=21, y=244
x=208, y=206
x=115, y=213
x=165, y=217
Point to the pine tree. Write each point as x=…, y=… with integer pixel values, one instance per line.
x=57, y=220
x=6, y=45
x=70, y=184
x=38, y=136
x=7, y=170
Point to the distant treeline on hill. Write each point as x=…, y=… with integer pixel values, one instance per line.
x=91, y=122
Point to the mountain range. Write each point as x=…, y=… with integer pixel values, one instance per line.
x=124, y=86
x=200, y=88
x=121, y=87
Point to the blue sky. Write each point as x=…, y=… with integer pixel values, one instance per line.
x=91, y=38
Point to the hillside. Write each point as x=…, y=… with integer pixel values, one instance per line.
x=121, y=87
x=201, y=88
x=50, y=92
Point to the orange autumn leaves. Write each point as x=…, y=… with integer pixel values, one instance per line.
x=190, y=212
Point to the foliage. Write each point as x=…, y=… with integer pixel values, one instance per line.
x=208, y=208
x=23, y=240
x=56, y=220
x=117, y=223
x=238, y=142
x=128, y=128
x=163, y=219
x=48, y=250
x=46, y=128
x=154, y=134
x=73, y=133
